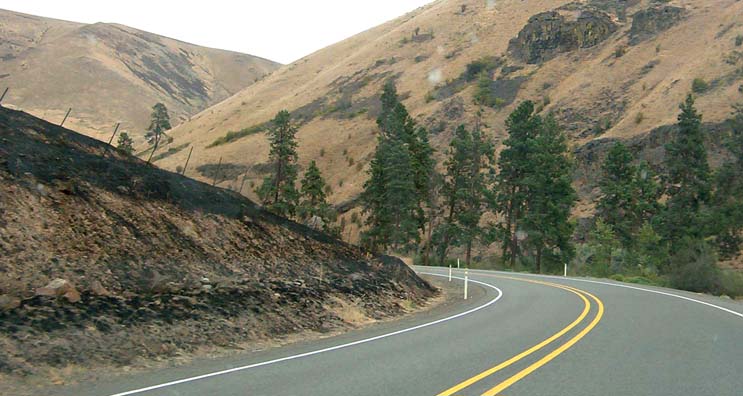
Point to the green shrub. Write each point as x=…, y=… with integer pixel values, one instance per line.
x=699, y=85
x=732, y=283
x=739, y=40
x=639, y=118
x=696, y=269
x=620, y=51
x=235, y=135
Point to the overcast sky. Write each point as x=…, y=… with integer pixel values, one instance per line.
x=283, y=31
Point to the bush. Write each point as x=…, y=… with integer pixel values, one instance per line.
x=739, y=40
x=732, y=283
x=696, y=269
x=235, y=135
x=699, y=85
x=639, y=118
x=620, y=51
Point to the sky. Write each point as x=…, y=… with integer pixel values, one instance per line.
x=282, y=31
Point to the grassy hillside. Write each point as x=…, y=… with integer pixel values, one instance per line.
x=606, y=68
x=109, y=73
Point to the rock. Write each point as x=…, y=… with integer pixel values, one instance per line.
x=206, y=288
x=550, y=33
x=205, y=281
x=60, y=288
x=647, y=23
x=97, y=289
x=316, y=223
x=8, y=303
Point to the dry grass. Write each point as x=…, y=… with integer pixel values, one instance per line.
x=579, y=80
x=55, y=65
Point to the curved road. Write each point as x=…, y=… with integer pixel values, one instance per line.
x=517, y=334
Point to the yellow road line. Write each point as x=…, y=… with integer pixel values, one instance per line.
x=541, y=362
x=478, y=377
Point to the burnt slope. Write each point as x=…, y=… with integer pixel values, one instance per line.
x=138, y=243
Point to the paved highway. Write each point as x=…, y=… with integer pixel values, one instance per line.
x=516, y=335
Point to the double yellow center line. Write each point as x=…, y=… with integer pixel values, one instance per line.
x=546, y=359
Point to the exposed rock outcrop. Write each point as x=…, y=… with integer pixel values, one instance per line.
x=647, y=23
x=551, y=33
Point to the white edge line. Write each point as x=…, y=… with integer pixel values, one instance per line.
x=329, y=349
x=730, y=311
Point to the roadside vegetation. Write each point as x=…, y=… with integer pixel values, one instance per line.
x=668, y=227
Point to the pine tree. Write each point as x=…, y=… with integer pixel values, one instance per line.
x=279, y=192
x=550, y=197
x=727, y=223
x=159, y=124
x=511, y=191
x=313, y=201
x=389, y=198
x=629, y=193
x=688, y=179
x=466, y=185
x=125, y=143
x=397, y=192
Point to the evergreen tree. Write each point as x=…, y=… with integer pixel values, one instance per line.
x=470, y=157
x=313, y=201
x=727, y=217
x=550, y=197
x=397, y=192
x=125, y=143
x=159, y=124
x=688, y=179
x=629, y=193
x=389, y=198
x=278, y=191
x=515, y=164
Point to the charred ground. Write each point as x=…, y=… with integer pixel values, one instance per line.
x=146, y=249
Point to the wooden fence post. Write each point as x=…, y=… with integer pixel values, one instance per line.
x=216, y=173
x=111, y=140
x=65, y=116
x=187, y=160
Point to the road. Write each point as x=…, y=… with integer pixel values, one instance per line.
x=517, y=334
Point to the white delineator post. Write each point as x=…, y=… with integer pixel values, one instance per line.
x=449, y=272
x=566, y=270
x=457, y=263
x=466, y=282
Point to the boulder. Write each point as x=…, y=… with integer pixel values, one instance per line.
x=97, y=289
x=60, y=288
x=8, y=303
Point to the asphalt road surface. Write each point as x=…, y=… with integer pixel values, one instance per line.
x=515, y=335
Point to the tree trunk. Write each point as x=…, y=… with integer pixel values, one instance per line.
x=468, y=255
x=539, y=260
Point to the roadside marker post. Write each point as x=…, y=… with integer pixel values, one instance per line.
x=457, y=263
x=566, y=270
x=449, y=272
x=466, y=282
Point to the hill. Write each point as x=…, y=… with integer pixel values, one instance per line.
x=609, y=69
x=106, y=260
x=110, y=73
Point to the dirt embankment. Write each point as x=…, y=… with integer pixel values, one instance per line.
x=107, y=260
